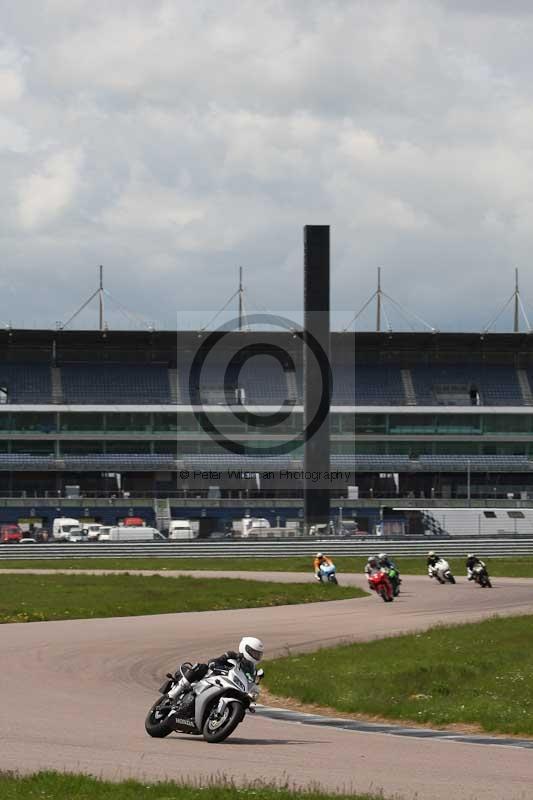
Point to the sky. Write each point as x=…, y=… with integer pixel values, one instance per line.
x=173, y=142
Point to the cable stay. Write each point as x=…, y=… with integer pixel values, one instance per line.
x=379, y=296
x=519, y=310
x=101, y=294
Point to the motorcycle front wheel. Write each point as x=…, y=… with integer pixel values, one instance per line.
x=334, y=580
x=218, y=727
x=158, y=723
x=451, y=579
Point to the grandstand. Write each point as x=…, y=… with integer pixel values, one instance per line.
x=431, y=416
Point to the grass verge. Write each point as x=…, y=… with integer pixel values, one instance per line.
x=59, y=786
x=479, y=674
x=498, y=567
x=30, y=598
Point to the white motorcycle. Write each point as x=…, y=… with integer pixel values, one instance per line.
x=327, y=573
x=441, y=571
x=212, y=707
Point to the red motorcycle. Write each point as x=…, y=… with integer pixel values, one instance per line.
x=380, y=583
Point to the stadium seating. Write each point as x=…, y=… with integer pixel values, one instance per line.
x=451, y=385
x=363, y=385
x=25, y=383
x=378, y=385
x=25, y=461
x=460, y=463
x=115, y=384
x=221, y=462
x=344, y=385
x=262, y=380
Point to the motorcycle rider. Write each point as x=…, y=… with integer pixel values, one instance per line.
x=472, y=561
x=321, y=559
x=387, y=563
x=250, y=653
x=432, y=558
x=371, y=566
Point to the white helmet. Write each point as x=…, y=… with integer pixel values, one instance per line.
x=471, y=555
x=431, y=553
x=320, y=555
x=251, y=648
x=382, y=556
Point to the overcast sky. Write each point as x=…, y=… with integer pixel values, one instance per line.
x=173, y=141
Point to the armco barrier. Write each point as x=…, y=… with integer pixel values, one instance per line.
x=484, y=546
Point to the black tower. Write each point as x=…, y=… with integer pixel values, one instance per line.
x=317, y=374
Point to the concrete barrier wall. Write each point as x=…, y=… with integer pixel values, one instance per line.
x=485, y=547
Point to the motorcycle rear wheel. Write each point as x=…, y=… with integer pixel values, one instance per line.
x=159, y=728
x=214, y=730
x=451, y=579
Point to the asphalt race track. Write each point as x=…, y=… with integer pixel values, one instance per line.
x=74, y=695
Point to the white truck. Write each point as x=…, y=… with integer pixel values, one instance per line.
x=131, y=533
x=182, y=529
x=66, y=529
x=248, y=526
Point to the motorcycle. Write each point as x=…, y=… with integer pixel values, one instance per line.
x=394, y=577
x=481, y=576
x=328, y=573
x=380, y=583
x=212, y=707
x=441, y=571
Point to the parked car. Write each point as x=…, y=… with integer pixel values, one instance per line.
x=10, y=534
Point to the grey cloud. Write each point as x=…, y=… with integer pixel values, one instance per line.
x=173, y=142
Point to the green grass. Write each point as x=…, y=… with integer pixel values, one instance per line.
x=498, y=567
x=59, y=786
x=480, y=674
x=30, y=598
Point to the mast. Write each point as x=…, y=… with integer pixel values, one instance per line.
x=378, y=302
x=101, y=298
x=241, y=304
x=516, y=304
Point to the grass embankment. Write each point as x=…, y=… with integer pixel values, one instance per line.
x=58, y=786
x=30, y=598
x=478, y=674
x=498, y=567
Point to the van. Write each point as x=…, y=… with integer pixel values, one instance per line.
x=62, y=528
x=249, y=526
x=10, y=533
x=130, y=533
x=181, y=529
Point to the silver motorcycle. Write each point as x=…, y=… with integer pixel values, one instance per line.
x=212, y=707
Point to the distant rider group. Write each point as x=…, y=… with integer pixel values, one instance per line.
x=383, y=574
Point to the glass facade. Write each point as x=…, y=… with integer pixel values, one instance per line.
x=410, y=434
